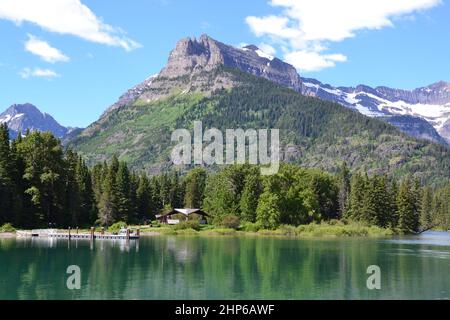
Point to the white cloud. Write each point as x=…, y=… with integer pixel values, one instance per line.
x=38, y=72
x=313, y=61
x=306, y=27
x=45, y=51
x=272, y=25
x=66, y=17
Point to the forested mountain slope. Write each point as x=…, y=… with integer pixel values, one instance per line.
x=313, y=132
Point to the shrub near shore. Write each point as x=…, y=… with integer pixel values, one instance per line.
x=326, y=230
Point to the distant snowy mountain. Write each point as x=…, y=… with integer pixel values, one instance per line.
x=21, y=117
x=431, y=103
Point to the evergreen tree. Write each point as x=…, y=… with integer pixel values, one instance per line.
x=194, y=188
x=88, y=213
x=176, y=190
x=107, y=206
x=370, y=202
x=165, y=190
x=6, y=179
x=446, y=213
x=122, y=193
x=134, y=183
x=392, y=203
x=408, y=218
x=343, y=180
x=250, y=196
x=144, y=199
x=73, y=197
x=98, y=175
x=426, y=214
x=381, y=201
x=21, y=205
x=356, y=198
x=155, y=190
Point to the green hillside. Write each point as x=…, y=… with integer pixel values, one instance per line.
x=314, y=133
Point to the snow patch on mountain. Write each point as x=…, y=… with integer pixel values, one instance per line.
x=382, y=101
x=262, y=54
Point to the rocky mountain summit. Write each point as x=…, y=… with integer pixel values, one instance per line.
x=191, y=58
x=21, y=117
x=204, y=54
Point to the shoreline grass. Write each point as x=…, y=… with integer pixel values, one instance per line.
x=313, y=230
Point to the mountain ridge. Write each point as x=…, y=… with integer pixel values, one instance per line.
x=383, y=101
x=206, y=53
x=191, y=55
x=22, y=117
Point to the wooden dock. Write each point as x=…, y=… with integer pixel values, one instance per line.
x=87, y=236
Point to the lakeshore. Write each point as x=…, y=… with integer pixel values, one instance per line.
x=323, y=230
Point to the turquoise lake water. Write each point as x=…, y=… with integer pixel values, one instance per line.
x=176, y=267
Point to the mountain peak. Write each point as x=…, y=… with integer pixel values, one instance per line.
x=27, y=108
x=190, y=54
x=193, y=55
x=21, y=117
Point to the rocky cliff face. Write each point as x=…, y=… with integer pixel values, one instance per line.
x=20, y=117
x=192, y=55
x=435, y=94
x=192, y=58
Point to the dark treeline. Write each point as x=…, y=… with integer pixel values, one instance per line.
x=40, y=183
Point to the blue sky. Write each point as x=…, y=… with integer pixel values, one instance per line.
x=74, y=58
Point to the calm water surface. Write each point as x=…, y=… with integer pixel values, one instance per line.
x=169, y=267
